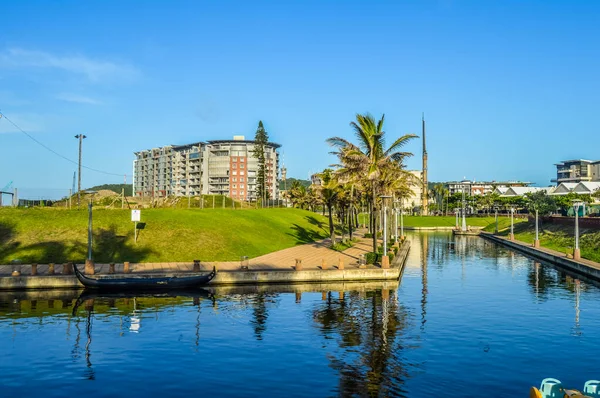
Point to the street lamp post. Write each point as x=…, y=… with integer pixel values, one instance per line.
x=576, y=205
x=512, y=224
x=402, y=219
x=395, y=221
x=536, y=242
x=89, y=263
x=80, y=137
x=464, y=220
x=385, y=260
x=496, y=212
x=456, y=214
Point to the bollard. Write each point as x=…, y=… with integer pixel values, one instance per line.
x=340, y=263
x=298, y=264
x=323, y=264
x=51, y=269
x=196, y=265
x=67, y=268
x=111, y=268
x=385, y=262
x=34, y=269
x=89, y=267
x=126, y=267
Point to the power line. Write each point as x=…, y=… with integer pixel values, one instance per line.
x=2, y=115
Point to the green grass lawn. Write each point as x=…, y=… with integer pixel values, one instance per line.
x=170, y=235
x=560, y=238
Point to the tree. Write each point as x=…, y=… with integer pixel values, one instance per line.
x=261, y=139
x=366, y=160
x=541, y=202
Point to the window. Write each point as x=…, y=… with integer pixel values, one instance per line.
x=235, y=179
x=241, y=185
x=241, y=166
x=241, y=173
x=241, y=159
x=235, y=185
x=241, y=179
x=234, y=165
x=234, y=172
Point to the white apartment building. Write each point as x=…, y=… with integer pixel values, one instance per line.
x=218, y=167
x=482, y=187
x=576, y=171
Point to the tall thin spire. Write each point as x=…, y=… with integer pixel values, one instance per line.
x=424, y=196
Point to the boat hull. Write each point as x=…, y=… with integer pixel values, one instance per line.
x=145, y=283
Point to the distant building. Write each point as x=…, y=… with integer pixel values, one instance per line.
x=415, y=200
x=219, y=167
x=578, y=170
x=482, y=187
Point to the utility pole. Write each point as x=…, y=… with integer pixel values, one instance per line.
x=80, y=137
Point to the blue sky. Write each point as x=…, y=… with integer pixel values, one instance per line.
x=508, y=87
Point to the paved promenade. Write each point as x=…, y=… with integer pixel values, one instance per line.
x=313, y=255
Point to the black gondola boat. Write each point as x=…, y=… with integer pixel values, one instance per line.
x=145, y=283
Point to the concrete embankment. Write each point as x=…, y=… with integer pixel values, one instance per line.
x=248, y=276
x=586, y=268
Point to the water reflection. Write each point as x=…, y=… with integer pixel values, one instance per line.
x=368, y=329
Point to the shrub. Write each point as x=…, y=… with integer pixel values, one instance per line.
x=371, y=258
x=368, y=235
x=396, y=250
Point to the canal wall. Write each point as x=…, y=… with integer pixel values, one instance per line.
x=587, y=268
x=234, y=277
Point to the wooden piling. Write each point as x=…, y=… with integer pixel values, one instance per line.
x=51, y=269
x=340, y=263
x=111, y=268
x=298, y=264
x=126, y=268
x=196, y=265
x=323, y=264
x=34, y=269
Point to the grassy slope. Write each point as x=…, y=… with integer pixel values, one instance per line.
x=56, y=235
x=560, y=238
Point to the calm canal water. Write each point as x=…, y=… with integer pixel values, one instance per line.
x=469, y=319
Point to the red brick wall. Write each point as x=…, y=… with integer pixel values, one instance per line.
x=584, y=222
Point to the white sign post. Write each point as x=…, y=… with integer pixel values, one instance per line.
x=135, y=217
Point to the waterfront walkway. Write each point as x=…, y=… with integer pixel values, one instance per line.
x=313, y=256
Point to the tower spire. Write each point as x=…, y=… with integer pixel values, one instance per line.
x=424, y=196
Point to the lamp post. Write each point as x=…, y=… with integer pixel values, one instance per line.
x=464, y=220
x=576, y=205
x=402, y=219
x=536, y=242
x=89, y=263
x=512, y=224
x=456, y=209
x=80, y=137
x=396, y=221
x=385, y=260
x=496, y=213
x=384, y=209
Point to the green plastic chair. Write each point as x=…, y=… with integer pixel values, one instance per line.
x=592, y=388
x=551, y=388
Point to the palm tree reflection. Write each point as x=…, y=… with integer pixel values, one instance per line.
x=368, y=330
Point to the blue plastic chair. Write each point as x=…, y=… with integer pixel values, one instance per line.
x=592, y=388
x=551, y=388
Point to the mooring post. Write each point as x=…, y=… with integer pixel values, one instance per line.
x=51, y=269
x=323, y=264
x=67, y=268
x=196, y=265
x=340, y=263
x=34, y=269
x=385, y=262
x=111, y=268
x=90, y=269
x=126, y=268
x=298, y=264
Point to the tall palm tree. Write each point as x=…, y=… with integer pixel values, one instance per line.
x=366, y=160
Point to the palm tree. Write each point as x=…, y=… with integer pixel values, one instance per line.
x=366, y=160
